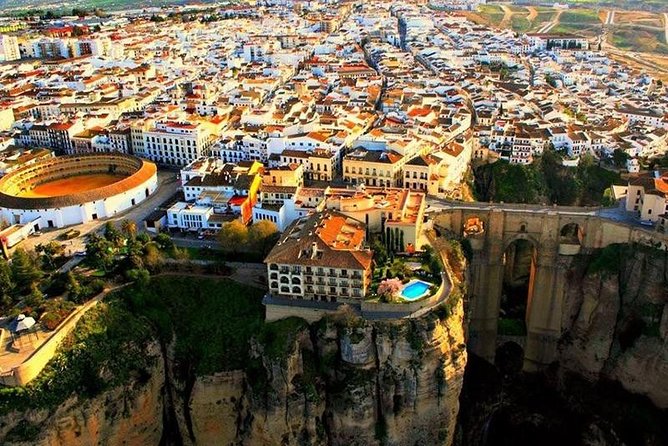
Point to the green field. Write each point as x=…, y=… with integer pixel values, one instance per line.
x=544, y=15
x=520, y=23
x=644, y=41
x=208, y=321
x=580, y=16
x=492, y=13
x=656, y=5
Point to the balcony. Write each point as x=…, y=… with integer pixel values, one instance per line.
x=320, y=273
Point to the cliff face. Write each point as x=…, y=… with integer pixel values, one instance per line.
x=130, y=415
x=342, y=381
x=616, y=322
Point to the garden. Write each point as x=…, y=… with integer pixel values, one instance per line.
x=394, y=270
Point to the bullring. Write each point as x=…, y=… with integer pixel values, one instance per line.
x=75, y=189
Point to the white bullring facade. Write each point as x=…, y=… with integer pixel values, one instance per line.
x=137, y=181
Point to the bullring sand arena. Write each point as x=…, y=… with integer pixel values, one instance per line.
x=67, y=186
x=73, y=189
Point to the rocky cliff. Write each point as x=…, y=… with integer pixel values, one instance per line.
x=615, y=319
x=342, y=381
x=608, y=384
x=128, y=414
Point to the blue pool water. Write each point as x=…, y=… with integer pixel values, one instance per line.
x=414, y=290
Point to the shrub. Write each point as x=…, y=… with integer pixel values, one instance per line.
x=389, y=287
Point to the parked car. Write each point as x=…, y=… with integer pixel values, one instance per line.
x=71, y=234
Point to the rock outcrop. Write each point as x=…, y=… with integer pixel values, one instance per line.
x=130, y=414
x=616, y=322
x=342, y=381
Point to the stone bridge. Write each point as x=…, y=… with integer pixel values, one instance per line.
x=556, y=233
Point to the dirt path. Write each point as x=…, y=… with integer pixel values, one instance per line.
x=507, y=17
x=665, y=24
x=533, y=13
x=553, y=23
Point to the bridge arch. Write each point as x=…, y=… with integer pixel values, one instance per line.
x=519, y=263
x=510, y=239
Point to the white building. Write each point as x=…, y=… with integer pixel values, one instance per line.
x=175, y=143
x=9, y=48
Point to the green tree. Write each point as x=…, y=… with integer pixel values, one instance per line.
x=164, y=242
x=100, y=252
x=73, y=287
x=619, y=158
x=35, y=297
x=262, y=235
x=25, y=270
x=152, y=257
x=113, y=235
x=6, y=284
x=233, y=235
x=139, y=276
x=129, y=228
x=50, y=252
x=379, y=252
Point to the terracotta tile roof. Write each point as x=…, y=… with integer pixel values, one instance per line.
x=327, y=239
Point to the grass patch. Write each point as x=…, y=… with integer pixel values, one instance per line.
x=279, y=335
x=511, y=327
x=491, y=13
x=608, y=259
x=580, y=16
x=520, y=24
x=213, y=320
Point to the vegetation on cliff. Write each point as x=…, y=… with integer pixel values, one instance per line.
x=546, y=180
x=106, y=349
x=211, y=321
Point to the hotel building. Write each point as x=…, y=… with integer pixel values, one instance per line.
x=321, y=257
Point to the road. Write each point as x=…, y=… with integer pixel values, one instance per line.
x=554, y=22
x=610, y=19
x=507, y=16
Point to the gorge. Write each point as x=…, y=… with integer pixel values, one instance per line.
x=148, y=367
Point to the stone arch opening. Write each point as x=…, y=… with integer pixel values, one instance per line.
x=571, y=233
x=519, y=269
x=474, y=231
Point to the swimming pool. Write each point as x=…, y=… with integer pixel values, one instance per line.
x=415, y=289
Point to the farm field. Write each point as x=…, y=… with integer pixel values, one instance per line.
x=520, y=19
x=639, y=40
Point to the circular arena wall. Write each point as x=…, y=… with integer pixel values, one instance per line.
x=90, y=187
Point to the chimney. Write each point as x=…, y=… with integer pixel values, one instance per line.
x=314, y=250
